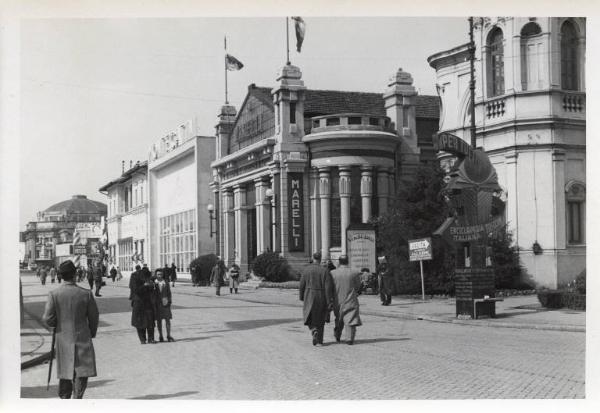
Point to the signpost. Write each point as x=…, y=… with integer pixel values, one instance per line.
x=419, y=250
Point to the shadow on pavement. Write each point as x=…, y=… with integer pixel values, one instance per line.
x=184, y=340
x=163, y=396
x=39, y=392
x=251, y=324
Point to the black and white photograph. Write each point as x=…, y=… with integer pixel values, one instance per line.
x=241, y=206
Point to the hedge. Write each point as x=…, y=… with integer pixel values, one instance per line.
x=560, y=299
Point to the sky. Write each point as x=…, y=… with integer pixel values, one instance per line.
x=95, y=92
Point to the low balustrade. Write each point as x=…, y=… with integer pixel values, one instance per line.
x=350, y=121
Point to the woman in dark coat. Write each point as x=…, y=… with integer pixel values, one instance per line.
x=143, y=303
x=173, y=273
x=163, y=305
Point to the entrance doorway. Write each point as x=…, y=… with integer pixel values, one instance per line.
x=251, y=234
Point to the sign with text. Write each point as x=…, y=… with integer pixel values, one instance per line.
x=419, y=249
x=80, y=249
x=64, y=250
x=295, y=212
x=361, y=248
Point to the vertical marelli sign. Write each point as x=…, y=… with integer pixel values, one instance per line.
x=296, y=212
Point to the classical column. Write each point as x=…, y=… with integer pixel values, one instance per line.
x=366, y=192
x=263, y=224
x=241, y=224
x=315, y=212
x=228, y=227
x=344, y=188
x=383, y=191
x=325, y=197
x=275, y=178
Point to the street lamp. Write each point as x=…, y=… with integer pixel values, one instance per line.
x=211, y=209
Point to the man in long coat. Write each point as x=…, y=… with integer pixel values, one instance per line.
x=72, y=311
x=347, y=285
x=316, y=291
x=217, y=275
x=386, y=281
x=141, y=289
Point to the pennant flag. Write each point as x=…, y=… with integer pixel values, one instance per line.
x=232, y=63
x=300, y=30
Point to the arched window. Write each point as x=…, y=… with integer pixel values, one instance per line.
x=531, y=56
x=575, y=212
x=568, y=57
x=495, y=63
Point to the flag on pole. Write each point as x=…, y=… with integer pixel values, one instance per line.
x=232, y=63
x=300, y=31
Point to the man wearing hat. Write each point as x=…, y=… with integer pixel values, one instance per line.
x=347, y=286
x=386, y=281
x=316, y=291
x=72, y=311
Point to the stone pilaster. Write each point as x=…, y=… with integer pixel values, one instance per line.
x=228, y=227
x=366, y=192
x=345, y=188
x=325, y=197
x=315, y=212
x=263, y=213
x=241, y=224
x=383, y=190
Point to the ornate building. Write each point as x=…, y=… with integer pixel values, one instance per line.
x=48, y=240
x=127, y=221
x=296, y=167
x=530, y=118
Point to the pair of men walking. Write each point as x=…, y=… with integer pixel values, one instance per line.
x=322, y=291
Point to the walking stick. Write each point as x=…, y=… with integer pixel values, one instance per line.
x=51, y=358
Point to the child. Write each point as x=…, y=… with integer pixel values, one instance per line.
x=163, y=312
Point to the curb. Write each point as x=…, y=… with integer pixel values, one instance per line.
x=42, y=358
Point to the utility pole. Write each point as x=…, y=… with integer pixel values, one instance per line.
x=472, y=83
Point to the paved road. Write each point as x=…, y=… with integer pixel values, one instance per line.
x=236, y=349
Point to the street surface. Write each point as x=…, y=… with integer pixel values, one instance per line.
x=243, y=347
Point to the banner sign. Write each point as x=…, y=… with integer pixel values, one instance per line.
x=63, y=250
x=79, y=249
x=361, y=248
x=475, y=232
x=419, y=249
x=295, y=212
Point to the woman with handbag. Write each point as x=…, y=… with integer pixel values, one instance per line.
x=163, y=303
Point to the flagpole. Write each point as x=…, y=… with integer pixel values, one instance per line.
x=287, y=37
x=225, y=67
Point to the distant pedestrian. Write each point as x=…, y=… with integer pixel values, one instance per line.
x=119, y=275
x=195, y=273
x=38, y=272
x=173, y=274
x=141, y=289
x=58, y=276
x=52, y=275
x=113, y=273
x=167, y=273
x=316, y=291
x=90, y=277
x=163, y=306
x=43, y=275
x=97, y=271
x=79, y=274
x=347, y=285
x=329, y=265
x=234, y=278
x=217, y=275
x=386, y=280
x=72, y=311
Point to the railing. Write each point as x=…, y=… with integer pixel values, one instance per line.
x=495, y=108
x=573, y=102
x=350, y=121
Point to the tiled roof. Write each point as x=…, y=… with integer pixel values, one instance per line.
x=327, y=102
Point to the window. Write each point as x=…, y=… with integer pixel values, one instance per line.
x=292, y=112
x=495, y=63
x=354, y=120
x=568, y=56
x=531, y=56
x=575, y=212
x=178, y=239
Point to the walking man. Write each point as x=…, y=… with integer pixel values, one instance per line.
x=316, y=291
x=173, y=274
x=90, y=277
x=386, y=279
x=43, y=275
x=72, y=311
x=52, y=274
x=347, y=285
x=97, y=271
x=217, y=275
x=141, y=288
x=113, y=273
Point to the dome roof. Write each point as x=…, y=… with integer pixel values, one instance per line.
x=78, y=204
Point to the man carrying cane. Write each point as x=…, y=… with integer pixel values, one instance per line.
x=72, y=312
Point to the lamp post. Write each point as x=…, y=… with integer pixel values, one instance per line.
x=211, y=209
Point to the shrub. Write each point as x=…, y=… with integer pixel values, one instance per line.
x=505, y=258
x=580, y=282
x=550, y=298
x=573, y=301
x=203, y=266
x=271, y=267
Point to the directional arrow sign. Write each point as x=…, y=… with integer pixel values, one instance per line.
x=419, y=249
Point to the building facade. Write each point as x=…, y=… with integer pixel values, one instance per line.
x=296, y=167
x=48, y=240
x=127, y=221
x=179, y=175
x=530, y=119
